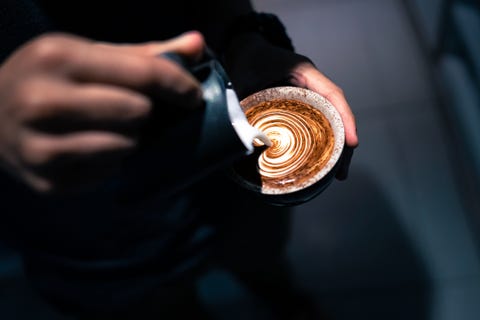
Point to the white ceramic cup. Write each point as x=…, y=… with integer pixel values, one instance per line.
x=298, y=138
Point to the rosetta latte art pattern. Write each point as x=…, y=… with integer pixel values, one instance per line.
x=302, y=141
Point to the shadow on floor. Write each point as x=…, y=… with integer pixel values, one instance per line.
x=351, y=251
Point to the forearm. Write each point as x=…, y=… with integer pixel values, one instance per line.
x=256, y=52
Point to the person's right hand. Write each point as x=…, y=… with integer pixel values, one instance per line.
x=71, y=108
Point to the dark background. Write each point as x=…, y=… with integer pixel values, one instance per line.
x=400, y=238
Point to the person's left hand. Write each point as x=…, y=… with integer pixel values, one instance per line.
x=305, y=75
x=254, y=64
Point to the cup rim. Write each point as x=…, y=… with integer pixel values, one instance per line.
x=320, y=103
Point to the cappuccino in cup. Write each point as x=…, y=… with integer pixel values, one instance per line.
x=307, y=138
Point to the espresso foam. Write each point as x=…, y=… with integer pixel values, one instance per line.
x=302, y=142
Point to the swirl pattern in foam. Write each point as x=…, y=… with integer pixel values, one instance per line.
x=302, y=141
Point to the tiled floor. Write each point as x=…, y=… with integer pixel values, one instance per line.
x=393, y=241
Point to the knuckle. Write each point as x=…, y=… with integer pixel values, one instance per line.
x=337, y=91
x=146, y=68
x=150, y=49
x=138, y=108
x=340, y=91
x=334, y=92
x=50, y=50
x=36, y=152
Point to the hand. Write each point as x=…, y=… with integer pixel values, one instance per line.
x=305, y=75
x=71, y=109
x=254, y=64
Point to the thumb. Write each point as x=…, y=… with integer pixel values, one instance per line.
x=190, y=44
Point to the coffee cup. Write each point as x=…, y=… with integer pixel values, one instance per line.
x=307, y=136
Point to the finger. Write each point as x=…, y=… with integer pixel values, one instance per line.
x=36, y=182
x=154, y=75
x=50, y=152
x=306, y=75
x=190, y=45
x=338, y=100
x=57, y=105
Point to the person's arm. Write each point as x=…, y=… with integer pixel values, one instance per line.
x=253, y=63
x=71, y=108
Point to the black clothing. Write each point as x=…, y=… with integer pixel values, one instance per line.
x=94, y=252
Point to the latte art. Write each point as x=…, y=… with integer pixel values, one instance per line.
x=302, y=141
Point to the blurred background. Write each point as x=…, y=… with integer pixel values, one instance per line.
x=400, y=238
